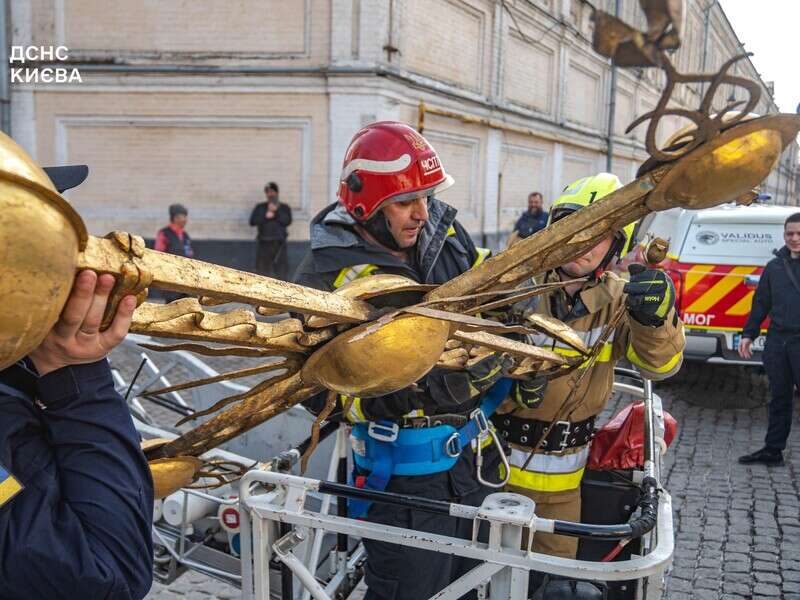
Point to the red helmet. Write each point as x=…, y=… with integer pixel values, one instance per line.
x=388, y=162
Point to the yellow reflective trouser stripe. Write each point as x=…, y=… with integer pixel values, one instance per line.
x=545, y=482
x=548, y=472
x=665, y=368
x=348, y=274
x=483, y=254
x=603, y=356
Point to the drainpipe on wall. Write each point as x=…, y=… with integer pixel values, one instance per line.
x=612, y=106
x=5, y=92
x=706, y=26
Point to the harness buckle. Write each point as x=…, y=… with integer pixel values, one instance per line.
x=383, y=432
x=452, y=447
x=503, y=458
x=564, y=434
x=481, y=421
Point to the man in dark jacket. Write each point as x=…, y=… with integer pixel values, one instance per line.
x=174, y=239
x=272, y=219
x=778, y=297
x=388, y=221
x=76, y=495
x=531, y=221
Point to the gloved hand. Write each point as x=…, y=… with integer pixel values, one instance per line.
x=651, y=295
x=529, y=393
x=485, y=372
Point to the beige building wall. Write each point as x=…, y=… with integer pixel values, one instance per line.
x=210, y=151
x=204, y=106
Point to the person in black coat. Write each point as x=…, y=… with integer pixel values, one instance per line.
x=778, y=297
x=272, y=218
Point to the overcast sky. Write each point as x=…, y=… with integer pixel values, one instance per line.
x=770, y=30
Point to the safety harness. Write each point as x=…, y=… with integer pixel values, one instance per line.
x=384, y=449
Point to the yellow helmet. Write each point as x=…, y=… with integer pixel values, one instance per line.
x=582, y=193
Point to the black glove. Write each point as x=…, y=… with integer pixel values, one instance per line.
x=486, y=371
x=651, y=295
x=529, y=393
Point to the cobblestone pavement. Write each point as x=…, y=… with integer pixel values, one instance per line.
x=737, y=528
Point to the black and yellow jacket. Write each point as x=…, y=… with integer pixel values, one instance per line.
x=656, y=352
x=444, y=250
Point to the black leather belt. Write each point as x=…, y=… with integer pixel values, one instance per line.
x=526, y=432
x=433, y=421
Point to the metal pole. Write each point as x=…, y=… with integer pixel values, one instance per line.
x=706, y=25
x=499, y=204
x=612, y=106
x=649, y=433
x=5, y=93
x=341, y=477
x=319, y=535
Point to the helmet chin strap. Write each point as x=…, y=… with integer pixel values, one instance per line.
x=378, y=227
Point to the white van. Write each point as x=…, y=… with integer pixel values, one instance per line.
x=715, y=260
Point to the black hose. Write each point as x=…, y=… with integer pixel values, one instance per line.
x=169, y=404
x=341, y=504
x=649, y=507
x=642, y=524
x=636, y=528
x=135, y=377
x=435, y=506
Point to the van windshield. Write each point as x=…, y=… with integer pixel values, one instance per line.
x=731, y=243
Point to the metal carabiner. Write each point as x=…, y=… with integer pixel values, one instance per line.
x=479, y=460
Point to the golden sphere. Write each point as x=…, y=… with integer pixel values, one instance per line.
x=728, y=166
x=371, y=360
x=40, y=237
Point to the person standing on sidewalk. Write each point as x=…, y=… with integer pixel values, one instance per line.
x=531, y=221
x=174, y=239
x=778, y=297
x=272, y=218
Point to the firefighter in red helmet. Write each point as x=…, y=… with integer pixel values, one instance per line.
x=388, y=220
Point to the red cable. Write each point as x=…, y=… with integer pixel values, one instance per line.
x=615, y=551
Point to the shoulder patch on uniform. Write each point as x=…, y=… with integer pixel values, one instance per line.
x=9, y=486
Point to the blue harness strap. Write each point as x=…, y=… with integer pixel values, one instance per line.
x=383, y=449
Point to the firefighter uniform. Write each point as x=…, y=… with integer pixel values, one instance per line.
x=551, y=474
x=444, y=251
x=553, y=478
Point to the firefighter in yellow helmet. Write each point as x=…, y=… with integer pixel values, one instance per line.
x=650, y=336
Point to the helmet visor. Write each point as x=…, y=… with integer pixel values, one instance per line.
x=424, y=193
